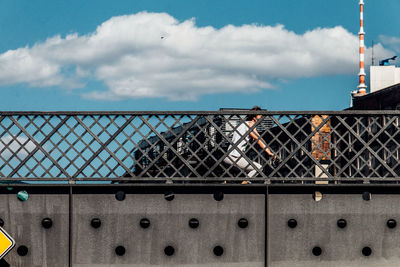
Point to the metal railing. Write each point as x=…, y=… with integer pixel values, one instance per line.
x=344, y=146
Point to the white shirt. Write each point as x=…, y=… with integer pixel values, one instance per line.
x=240, y=131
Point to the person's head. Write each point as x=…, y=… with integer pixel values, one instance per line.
x=251, y=117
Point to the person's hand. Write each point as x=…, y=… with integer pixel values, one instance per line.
x=274, y=157
x=275, y=162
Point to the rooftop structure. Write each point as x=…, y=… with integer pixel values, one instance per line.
x=384, y=99
x=383, y=76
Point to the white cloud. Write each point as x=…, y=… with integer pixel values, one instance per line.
x=24, y=65
x=15, y=145
x=393, y=42
x=152, y=55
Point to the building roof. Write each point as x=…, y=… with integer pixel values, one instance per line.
x=384, y=99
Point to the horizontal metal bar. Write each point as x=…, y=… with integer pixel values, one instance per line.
x=393, y=188
x=223, y=112
x=203, y=180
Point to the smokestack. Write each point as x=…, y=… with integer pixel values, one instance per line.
x=361, y=86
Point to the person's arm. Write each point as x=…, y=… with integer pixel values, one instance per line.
x=256, y=136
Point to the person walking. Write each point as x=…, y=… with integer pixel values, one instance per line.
x=239, y=144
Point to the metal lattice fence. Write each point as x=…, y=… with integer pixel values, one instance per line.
x=191, y=146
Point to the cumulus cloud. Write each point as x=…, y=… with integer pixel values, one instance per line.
x=15, y=145
x=394, y=44
x=153, y=55
x=391, y=41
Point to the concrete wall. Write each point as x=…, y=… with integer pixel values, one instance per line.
x=23, y=221
x=317, y=227
x=169, y=226
x=72, y=240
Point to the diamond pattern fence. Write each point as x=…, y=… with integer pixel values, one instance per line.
x=345, y=146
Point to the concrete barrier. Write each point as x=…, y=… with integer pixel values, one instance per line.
x=26, y=222
x=168, y=230
x=253, y=225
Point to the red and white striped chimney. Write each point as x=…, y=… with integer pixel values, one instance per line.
x=361, y=86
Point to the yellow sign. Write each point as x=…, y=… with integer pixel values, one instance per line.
x=6, y=243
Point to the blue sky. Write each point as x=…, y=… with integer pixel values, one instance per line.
x=187, y=55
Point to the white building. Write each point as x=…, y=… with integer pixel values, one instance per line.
x=383, y=76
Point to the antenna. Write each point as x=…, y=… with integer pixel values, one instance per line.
x=372, y=55
x=361, y=86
